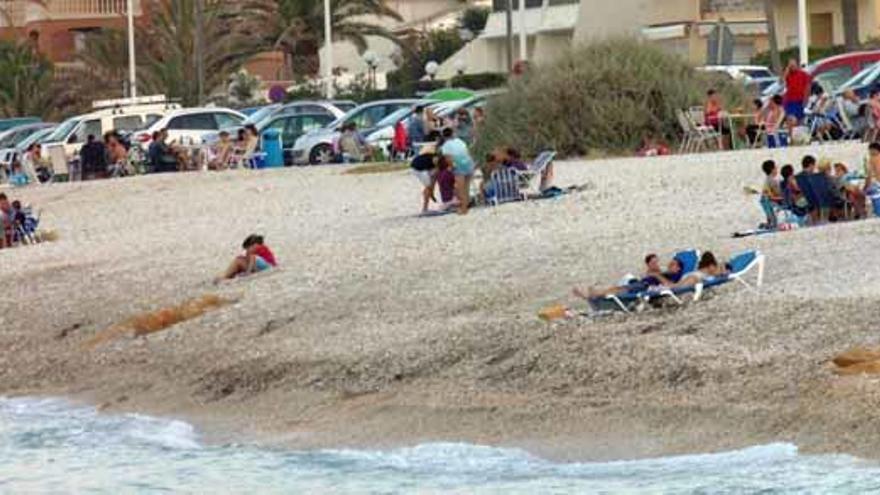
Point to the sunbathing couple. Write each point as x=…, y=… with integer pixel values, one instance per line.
x=656, y=278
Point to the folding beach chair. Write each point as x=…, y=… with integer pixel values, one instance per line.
x=536, y=171
x=504, y=187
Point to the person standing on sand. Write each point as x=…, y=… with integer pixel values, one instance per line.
x=456, y=151
x=797, y=92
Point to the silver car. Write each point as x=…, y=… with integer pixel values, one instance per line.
x=318, y=147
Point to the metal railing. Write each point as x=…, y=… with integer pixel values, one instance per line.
x=21, y=12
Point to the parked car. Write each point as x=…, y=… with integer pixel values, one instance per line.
x=832, y=72
x=6, y=124
x=10, y=154
x=294, y=108
x=744, y=73
x=292, y=127
x=317, y=147
x=863, y=82
x=122, y=115
x=190, y=125
x=16, y=134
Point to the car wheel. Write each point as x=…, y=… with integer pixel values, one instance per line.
x=321, y=155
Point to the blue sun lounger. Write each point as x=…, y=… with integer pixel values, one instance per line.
x=738, y=267
x=635, y=300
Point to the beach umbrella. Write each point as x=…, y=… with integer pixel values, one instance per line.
x=450, y=94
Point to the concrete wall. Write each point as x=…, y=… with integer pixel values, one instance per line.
x=786, y=19
x=603, y=18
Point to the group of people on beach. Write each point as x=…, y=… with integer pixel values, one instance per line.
x=256, y=257
x=18, y=225
x=654, y=277
x=802, y=113
x=842, y=192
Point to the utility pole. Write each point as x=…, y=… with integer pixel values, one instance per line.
x=802, y=33
x=200, y=51
x=132, y=70
x=523, y=35
x=328, y=46
x=509, y=7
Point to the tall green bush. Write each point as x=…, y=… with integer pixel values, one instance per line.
x=604, y=96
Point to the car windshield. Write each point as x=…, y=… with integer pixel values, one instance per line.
x=345, y=106
x=60, y=133
x=394, y=117
x=864, y=77
x=757, y=73
x=260, y=114
x=36, y=137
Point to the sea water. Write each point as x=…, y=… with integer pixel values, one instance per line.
x=50, y=446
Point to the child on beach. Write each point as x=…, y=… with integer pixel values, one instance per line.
x=771, y=194
x=18, y=178
x=446, y=183
x=257, y=258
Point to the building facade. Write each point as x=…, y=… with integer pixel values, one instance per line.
x=680, y=26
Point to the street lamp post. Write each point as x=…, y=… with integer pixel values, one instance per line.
x=431, y=69
x=372, y=61
x=802, y=33
x=523, y=40
x=328, y=43
x=132, y=70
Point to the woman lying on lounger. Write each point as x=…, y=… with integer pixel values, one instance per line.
x=654, y=277
x=707, y=268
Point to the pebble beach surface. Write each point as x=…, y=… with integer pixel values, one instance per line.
x=384, y=329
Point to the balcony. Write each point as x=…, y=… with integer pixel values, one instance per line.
x=22, y=12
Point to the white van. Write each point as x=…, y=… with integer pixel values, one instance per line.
x=126, y=114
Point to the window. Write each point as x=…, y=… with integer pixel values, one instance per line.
x=127, y=123
x=369, y=116
x=832, y=79
x=225, y=120
x=88, y=128
x=193, y=122
x=151, y=119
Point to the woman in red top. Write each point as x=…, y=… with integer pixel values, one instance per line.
x=713, y=111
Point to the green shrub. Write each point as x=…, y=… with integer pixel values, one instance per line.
x=601, y=97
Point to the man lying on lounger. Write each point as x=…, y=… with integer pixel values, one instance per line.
x=654, y=277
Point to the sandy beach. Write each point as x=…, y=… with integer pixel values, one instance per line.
x=386, y=329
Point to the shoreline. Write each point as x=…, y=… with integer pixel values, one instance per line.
x=386, y=329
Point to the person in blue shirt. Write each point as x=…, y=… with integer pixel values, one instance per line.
x=456, y=151
x=415, y=131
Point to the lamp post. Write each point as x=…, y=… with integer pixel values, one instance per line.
x=523, y=40
x=431, y=69
x=328, y=43
x=132, y=70
x=460, y=66
x=372, y=61
x=802, y=33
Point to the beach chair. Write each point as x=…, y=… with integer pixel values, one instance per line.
x=504, y=187
x=636, y=300
x=536, y=171
x=687, y=136
x=26, y=233
x=738, y=267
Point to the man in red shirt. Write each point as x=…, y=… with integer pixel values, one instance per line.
x=797, y=90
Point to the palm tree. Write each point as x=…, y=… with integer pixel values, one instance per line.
x=167, y=57
x=27, y=83
x=296, y=27
x=850, y=11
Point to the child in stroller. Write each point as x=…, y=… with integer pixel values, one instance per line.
x=24, y=224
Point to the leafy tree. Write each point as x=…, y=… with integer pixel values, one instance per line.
x=27, y=83
x=437, y=45
x=474, y=19
x=296, y=27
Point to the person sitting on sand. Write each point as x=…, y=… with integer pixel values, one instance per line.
x=853, y=193
x=17, y=178
x=771, y=193
x=654, y=277
x=257, y=258
x=7, y=221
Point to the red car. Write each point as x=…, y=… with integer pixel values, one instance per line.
x=833, y=71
